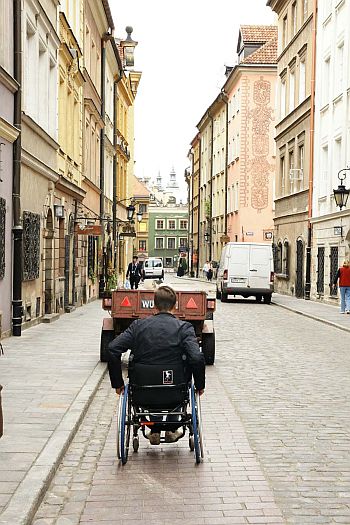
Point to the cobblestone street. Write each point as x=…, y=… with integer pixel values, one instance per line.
x=277, y=428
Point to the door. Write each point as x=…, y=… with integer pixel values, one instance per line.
x=299, y=284
x=238, y=266
x=260, y=267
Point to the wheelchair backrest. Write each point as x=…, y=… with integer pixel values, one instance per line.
x=158, y=386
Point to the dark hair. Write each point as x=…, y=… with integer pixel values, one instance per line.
x=164, y=299
x=134, y=257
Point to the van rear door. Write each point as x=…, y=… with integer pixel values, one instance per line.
x=260, y=267
x=238, y=274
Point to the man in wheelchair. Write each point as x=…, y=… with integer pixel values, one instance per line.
x=160, y=339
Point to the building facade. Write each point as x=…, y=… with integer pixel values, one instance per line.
x=293, y=146
x=8, y=135
x=168, y=234
x=141, y=200
x=39, y=157
x=250, y=90
x=331, y=227
x=194, y=204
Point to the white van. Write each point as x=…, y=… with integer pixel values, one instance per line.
x=153, y=268
x=245, y=269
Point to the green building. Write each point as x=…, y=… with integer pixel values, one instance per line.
x=168, y=233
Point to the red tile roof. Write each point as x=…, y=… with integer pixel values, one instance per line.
x=258, y=34
x=266, y=54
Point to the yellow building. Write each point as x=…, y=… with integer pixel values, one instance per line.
x=141, y=199
x=194, y=209
x=126, y=93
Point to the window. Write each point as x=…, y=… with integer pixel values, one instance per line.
x=142, y=208
x=301, y=166
x=285, y=259
x=326, y=73
x=31, y=245
x=305, y=9
x=159, y=243
x=301, y=81
x=283, y=176
x=168, y=262
x=291, y=90
x=182, y=242
x=142, y=246
x=142, y=226
x=183, y=225
x=160, y=224
x=294, y=18
x=171, y=224
x=339, y=66
x=171, y=243
x=238, y=99
x=284, y=32
x=279, y=257
x=283, y=98
x=324, y=171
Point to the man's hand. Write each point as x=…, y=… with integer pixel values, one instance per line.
x=120, y=390
x=201, y=392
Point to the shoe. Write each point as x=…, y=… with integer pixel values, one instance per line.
x=154, y=438
x=171, y=437
x=348, y=311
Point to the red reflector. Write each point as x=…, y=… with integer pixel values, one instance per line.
x=211, y=305
x=125, y=301
x=191, y=303
x=225, y=275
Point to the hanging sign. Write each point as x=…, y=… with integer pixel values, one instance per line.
x=89, y=229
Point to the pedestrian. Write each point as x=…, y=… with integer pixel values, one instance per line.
x=343, y=274
x=206, y=269
x=133, y=273
x=181, y=269
x=160, y=339
x=210, y=272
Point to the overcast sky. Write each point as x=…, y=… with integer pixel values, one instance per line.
x=182, y=49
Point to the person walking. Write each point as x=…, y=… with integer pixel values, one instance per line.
x=206, y=267
x=210, y=272
x=133, y=273
x=343, y=275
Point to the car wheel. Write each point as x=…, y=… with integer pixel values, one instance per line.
x=267, y=298
x=258, y=298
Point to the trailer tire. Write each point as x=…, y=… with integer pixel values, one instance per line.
x=218, y=293
x=106, y=337
x=224, y=297
x=267, y=298
x=208, y=348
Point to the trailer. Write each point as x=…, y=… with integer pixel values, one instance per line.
x=124, y=306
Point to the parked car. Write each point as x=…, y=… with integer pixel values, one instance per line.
x=153, y=268
x=245, y=269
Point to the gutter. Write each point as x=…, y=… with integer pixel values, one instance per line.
x=17, y=229
x=311, y=156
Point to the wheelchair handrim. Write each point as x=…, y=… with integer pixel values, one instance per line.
x=197, y=454
x=199, y=423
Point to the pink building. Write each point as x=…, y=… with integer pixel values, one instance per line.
x=251, y=92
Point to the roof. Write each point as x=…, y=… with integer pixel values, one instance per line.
x=108, y=13
x=258, y=34
x=139, y=189
x=266, y=54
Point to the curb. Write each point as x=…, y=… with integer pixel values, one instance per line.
x=30, y=492
x=310, y=316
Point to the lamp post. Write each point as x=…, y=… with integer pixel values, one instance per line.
x=341, y=194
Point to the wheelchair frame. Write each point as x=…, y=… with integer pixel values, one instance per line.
x=133, y=417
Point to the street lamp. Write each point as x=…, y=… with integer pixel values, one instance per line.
x=130, y=211
x=128, y=46
x=341, y=194
x=206, y=236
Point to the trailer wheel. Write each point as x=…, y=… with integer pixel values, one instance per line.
x=224, y=297
x=267, y=298
x=218, y=293
x=106, y=337
x=208, y=348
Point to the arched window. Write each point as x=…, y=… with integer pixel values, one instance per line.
x=285, y=260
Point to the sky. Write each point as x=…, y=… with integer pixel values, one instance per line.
x=183, y=47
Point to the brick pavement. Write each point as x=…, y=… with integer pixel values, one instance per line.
x=49, y=375
x=288, y=377
x=161, y=484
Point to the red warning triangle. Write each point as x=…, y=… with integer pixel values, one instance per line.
x=191, y=303
x=125, y=301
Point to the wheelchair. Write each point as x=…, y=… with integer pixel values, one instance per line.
x=153, y=393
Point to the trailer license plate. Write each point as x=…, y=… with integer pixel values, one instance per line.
x=238, y=280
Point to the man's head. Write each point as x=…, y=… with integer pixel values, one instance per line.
x=134, y=259
x=346, y=263
x=164, y=299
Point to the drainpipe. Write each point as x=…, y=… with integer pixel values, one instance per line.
x=311, y=159
x=211, y=186
x=115, y=167
x=199, y=205
x=17, y=229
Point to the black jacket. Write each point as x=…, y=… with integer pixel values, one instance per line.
x=160, y=339
x=133, y=274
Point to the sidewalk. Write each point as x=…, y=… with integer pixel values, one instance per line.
x=50, y=375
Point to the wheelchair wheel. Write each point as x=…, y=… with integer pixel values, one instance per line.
x=196, y=439
x=125, y=426
x=199, y=424
x=119, y=427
